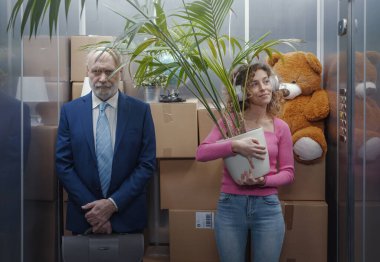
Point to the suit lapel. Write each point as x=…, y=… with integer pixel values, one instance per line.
x=87, y=123
x=123, y=109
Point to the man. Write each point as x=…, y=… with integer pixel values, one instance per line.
x=105, y=153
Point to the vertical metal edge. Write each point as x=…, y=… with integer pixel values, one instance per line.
x=350, y=174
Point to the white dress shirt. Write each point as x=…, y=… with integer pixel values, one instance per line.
x=111, y=112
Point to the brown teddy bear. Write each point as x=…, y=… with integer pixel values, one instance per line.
x=306, y=103
x=366, y=109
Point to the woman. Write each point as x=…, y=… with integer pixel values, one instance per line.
x=253, y=204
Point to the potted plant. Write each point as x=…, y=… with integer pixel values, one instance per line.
x=154, y=83
x=152, y=86
x=197, y=49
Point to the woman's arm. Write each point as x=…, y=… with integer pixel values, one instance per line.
x=214, y=147
x=285, y=158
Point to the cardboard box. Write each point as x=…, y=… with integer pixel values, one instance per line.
x=205, y=123
x=189, y=184
x=79, y=57
x=192, y=236
x=176, y=129
x=156, y=254
x=47, y=57
x=40, y=177
x=306, y=231
x=76, y=89
x=309, y=183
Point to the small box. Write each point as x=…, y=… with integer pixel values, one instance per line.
x=191, y=236
x=40, y=177
x=79, y=56
x=189, y=184
x=309, y=183
x=305, y=231
x=176, y=129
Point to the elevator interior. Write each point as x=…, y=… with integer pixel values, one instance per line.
x=345, y=36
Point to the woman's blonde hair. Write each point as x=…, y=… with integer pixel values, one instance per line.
x=241, y=77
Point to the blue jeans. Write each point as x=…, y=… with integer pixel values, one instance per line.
x=236, y=215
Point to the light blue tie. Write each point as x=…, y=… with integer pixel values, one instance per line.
x=104, y=151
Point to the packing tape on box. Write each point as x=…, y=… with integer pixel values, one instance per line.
x=288, y=216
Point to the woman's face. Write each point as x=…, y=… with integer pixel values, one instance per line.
x=259, y=88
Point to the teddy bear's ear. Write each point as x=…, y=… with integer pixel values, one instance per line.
x=314, y=62
x=273, y=59
x=373, y=56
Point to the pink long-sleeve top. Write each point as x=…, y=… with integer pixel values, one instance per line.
x=280, y=150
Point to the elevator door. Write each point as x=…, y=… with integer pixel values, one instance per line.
x=358, y=131
x=344, y=130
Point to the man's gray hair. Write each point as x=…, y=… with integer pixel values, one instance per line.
x=113, y=52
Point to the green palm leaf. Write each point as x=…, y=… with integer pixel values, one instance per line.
x=34, y=12
x=194, y=43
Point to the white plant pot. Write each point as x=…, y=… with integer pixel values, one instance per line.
x=238, y=164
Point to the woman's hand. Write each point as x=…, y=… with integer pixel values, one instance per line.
x=249, y=147
x=247, y=179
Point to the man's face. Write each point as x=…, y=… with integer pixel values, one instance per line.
x=99, y=70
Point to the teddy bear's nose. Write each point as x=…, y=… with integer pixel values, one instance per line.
x=285, y=92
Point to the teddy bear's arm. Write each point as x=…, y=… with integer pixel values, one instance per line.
x=318, y=106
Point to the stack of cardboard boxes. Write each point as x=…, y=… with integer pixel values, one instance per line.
x=305, y=213
x=190, y=191
x=186, y=186
x=40, y=182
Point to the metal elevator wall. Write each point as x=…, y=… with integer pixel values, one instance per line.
x=351, y=70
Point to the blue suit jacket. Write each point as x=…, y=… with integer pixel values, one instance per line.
x=133, y=163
